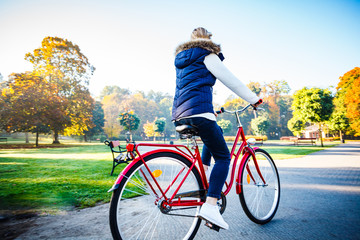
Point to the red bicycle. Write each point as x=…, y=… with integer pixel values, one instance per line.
x=159, y=194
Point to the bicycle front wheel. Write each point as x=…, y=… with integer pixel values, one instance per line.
x=260, y=199
x=137, y=210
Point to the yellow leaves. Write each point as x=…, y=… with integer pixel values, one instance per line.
x=149, y=129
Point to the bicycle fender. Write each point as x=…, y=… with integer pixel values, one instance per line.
x=126, y=169
x=247, y=151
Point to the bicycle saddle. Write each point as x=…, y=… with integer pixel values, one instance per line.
x=187, y=131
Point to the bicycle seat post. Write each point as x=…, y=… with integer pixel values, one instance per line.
x=188, y=132
x=193, y=142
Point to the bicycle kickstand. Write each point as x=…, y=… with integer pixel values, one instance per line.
x=212, y=226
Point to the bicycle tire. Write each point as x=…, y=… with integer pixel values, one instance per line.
x=260, y=202
x=137, y=217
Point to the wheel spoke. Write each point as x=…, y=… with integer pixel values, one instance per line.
x=141, y=214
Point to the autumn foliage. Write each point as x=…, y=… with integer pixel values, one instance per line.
x=31, y=104
x=54, y=96
x=349, y=89
x=60, y=62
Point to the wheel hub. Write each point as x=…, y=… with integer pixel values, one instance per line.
x=164, y=207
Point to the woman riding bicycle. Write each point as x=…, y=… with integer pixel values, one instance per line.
x=198, y=64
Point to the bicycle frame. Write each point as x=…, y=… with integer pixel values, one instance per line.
x=195, y=159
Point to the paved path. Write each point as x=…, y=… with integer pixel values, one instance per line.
x=320, y=199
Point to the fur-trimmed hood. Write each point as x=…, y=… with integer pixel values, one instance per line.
x=205, y=44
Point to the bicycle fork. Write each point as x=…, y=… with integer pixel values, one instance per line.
x=246, y=153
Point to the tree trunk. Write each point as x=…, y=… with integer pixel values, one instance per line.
x=320, y=135
x=56, y=137
x=341, y=137
x=37, y=138
x=85, y=138
x=26, y=137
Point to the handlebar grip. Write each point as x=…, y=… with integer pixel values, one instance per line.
x=221, y=111
x=259, y=102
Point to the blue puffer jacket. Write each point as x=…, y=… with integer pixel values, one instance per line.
x=193, y=94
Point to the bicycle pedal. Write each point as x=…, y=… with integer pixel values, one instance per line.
x=212, y=226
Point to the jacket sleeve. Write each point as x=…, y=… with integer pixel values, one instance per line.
x=221, y=72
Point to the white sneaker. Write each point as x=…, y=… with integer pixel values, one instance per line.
x=211, y=214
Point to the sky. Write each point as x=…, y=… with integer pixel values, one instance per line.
x=131, y=43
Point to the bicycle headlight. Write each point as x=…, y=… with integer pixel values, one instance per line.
x=251, y=141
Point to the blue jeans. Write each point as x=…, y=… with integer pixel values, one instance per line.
x=214, y=145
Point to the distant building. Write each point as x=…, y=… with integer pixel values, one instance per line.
x=313, y=132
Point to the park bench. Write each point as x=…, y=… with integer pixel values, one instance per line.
x=3, y=139
x=298, y=141
x=287, y=138
x=118, y=153
x=259, y=140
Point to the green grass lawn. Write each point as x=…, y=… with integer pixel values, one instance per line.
x=54, y=179
x=51, y=179
x=286, y=152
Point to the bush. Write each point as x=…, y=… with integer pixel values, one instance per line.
x=330, y=139
x=232, y=138
x=264, y=138
x=229, y=138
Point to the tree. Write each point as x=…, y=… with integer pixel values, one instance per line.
x=349, y=89
x=296, y=126
x=338, y=120
x=98, y=121
x=149, y=129
x=255, y=87
x=129, y=121
x=31, y=104
x=146, y=110
x=112, y=105
x=80, y=109
x=2, y=82
x=313, y=105
x=225, y=125
x=260, y=125
x=276, y=88
x=109, y=90
x=275, y=94
x=285, y=102
x=156, y=96
x=234, y=104
x=165, y=106
x=160, y=124
x=61, y=62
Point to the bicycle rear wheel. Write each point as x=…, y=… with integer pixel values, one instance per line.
x=260, y=201
x=137, y=213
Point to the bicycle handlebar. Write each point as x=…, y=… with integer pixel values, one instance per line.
x=222, y=110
